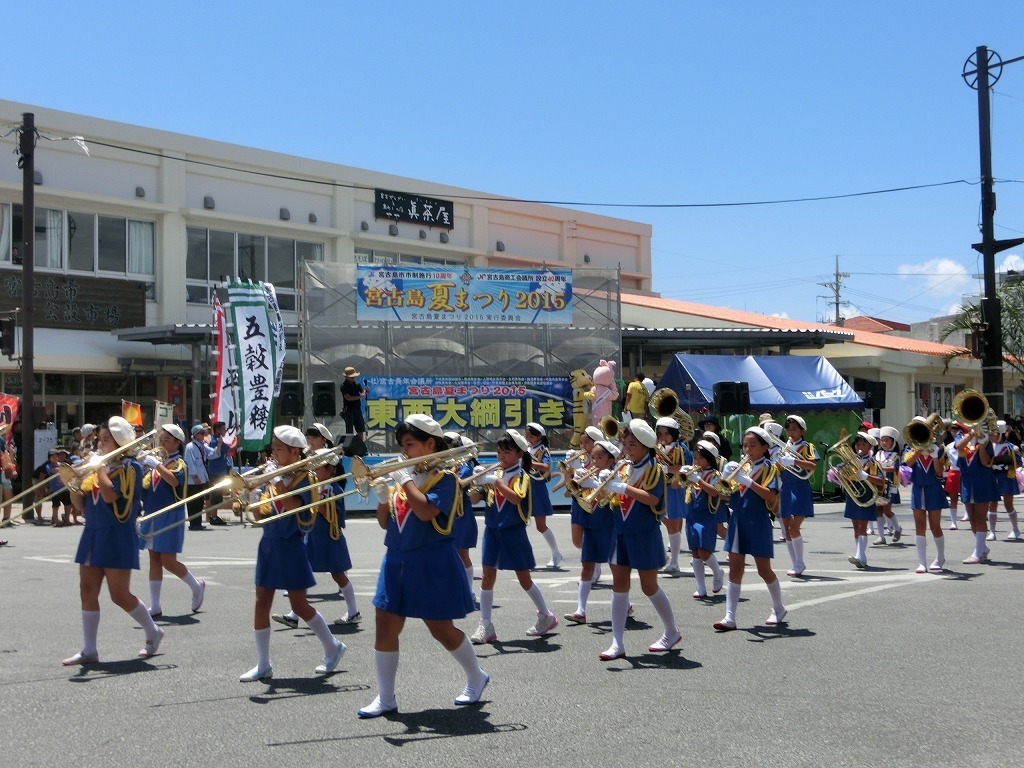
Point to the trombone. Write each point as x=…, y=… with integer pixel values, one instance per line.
x=363, y=475
x=467, y=482
x=784, y=447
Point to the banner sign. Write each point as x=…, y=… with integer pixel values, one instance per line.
x=470, y=403
x=454, y=295
x=256, y=360
x=225, y=375
x=415, y=209
x=132, y=413
x=79, y=303
x=163, y=413
x=277, y=326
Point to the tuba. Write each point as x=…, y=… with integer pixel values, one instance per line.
x=610, y=427
x=847, y=471
x=971, y=409
x=920, y=433
x=665, y=402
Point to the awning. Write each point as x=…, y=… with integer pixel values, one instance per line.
x=775, y=383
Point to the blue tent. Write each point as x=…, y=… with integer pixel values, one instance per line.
x=775, y=383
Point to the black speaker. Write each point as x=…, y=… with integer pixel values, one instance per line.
x=874, y=394
x=289, y=402
x=323, y=399
x=732, y=397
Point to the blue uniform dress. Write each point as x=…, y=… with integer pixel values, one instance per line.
x=637, y=541
x=326, y=547
x=506, y=545
x=853, y=511
x=926, y=490
x=576, y=514
x=750, y=524
x=281, y=561
x=889, y=463
x=977, y=482
x=1006, y=477
x=422, y=575
x=795, y=498
x=466, y=531
x=598, y=530
x=675, y=498
x=539, y=482
x=109, y=539
x=703, y=514
x=157, y=494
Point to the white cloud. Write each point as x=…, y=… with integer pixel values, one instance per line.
x=1012, y=261
x=953, y=309
x=783, y=315
x=942, y=276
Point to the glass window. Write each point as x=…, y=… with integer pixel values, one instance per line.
x=140, y=247
x=195, y=255
x=49, y=238
x=112, y=244
x=222, y=255
x=6, y=233
x=281, y=262
x=81, y=241
x=309, y=251
x=252, y=257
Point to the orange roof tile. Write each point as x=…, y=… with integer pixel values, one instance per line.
x=867, y=338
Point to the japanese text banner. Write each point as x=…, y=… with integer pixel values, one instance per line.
x=255, y=355
x=454, y=295
x=470, y=403
x=225, y=382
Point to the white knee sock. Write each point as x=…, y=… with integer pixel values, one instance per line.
x=90, y=630
x=620, y=611
x=597, y=573
x=698, y=576
x=386, y=665
x=469, y=578
x=921, y=542
x=1013, y=523
x=992, y=518
x=775, y=590
x=323, y=633
x=792, y=551
x=154, y=596
x=583, y=594
x=486, y=603
x=979, y=543
x=716, y=569
x=467, y=659
x=538, y=599
x=880, y=526
x=549, y=537
x=798, y=548
x=141, y=615
x=191, y=581
x=895, y=524
x=862, y=549
x=349, y=592
x=952, y=514
x=940, y=548
x=662, y=605
x=732, y=600
x=262, y=648
x=674, y=540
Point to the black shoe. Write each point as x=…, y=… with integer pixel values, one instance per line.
x=217, y=521
x=197, y=528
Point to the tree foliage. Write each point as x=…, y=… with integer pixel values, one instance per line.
x=1011, y=294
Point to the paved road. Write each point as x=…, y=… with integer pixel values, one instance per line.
x=876, y=668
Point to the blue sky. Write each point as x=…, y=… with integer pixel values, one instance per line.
x=656, y=103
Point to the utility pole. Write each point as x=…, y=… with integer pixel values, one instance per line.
x=836, y=286
x=981, y=71
x=27, y=148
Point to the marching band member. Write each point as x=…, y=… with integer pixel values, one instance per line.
x=639, y=488
x=868, y=472
x=540, y=458
x=281, y=561
x=326, y=547
x=715, y=438
x=466, y=530
x=1004, y=464
x=667, y=430
x=421, y=575
x=579, y=461
x=951, y=483
x=795, y=500
x=927, y=500
x=977, y=486
x=108, y=549
x=706, y=517
x=750, y=526
x=164, y=484
x=506, y=546
x=596, y=544
x=888, y=458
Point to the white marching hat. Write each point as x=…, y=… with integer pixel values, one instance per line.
x=122, y=432
x=710, y=447
x=594, y=434
x=321, y=430
x=537, y=428
x=761, y=433
x=88, y=429
x=332, y=456
x=668, y=423
x=870, y=438
x=891, y=432
x=642, y=431
x=798, y=420
x=291, y=436
x=610, y=448
x=424, y=424
x=712, y=436
x=518, y=439
x=174, y=431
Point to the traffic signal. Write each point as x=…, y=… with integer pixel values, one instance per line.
x=7, y=332
x=289, y=402
x=731, y=397
x=323, y=399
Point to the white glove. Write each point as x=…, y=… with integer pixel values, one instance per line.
x=590, y=482
x=730, y=467
x=401, y=477
x=935, y=451
x=150, y=461
x=489, y=478
x=862, y=474
x=982, y=440
x=787, y=460
x=693, y=477
x=617, y=486
x=383, y=492
x=745, y=480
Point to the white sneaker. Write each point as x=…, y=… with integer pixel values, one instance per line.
x=936, y=565
x=554, y=561
x=669, y=569
x=1013, y=536
x=880, y=541
x=922, y=568
x=954, y=527
x=152, y=645
x=376, y=708
x=328, y=665
x=666, y=643
x=471, y=693
x=775, y=618
x=544, y=625
x=859, y=563
x=484, y=633
x=991, y=536
x=965, y=519
x=198, y=596
x=355, y=618
x=255, y=674
x=716, y=581
x=285, y=619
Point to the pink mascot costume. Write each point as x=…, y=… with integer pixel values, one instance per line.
x=605, y=391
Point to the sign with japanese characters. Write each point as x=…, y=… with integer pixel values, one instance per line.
x=80, y=303
x=416, y=209
x=460, y=403
x=463, y=295
x=256, y=362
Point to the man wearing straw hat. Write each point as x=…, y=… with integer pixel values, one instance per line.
x=352, y=395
